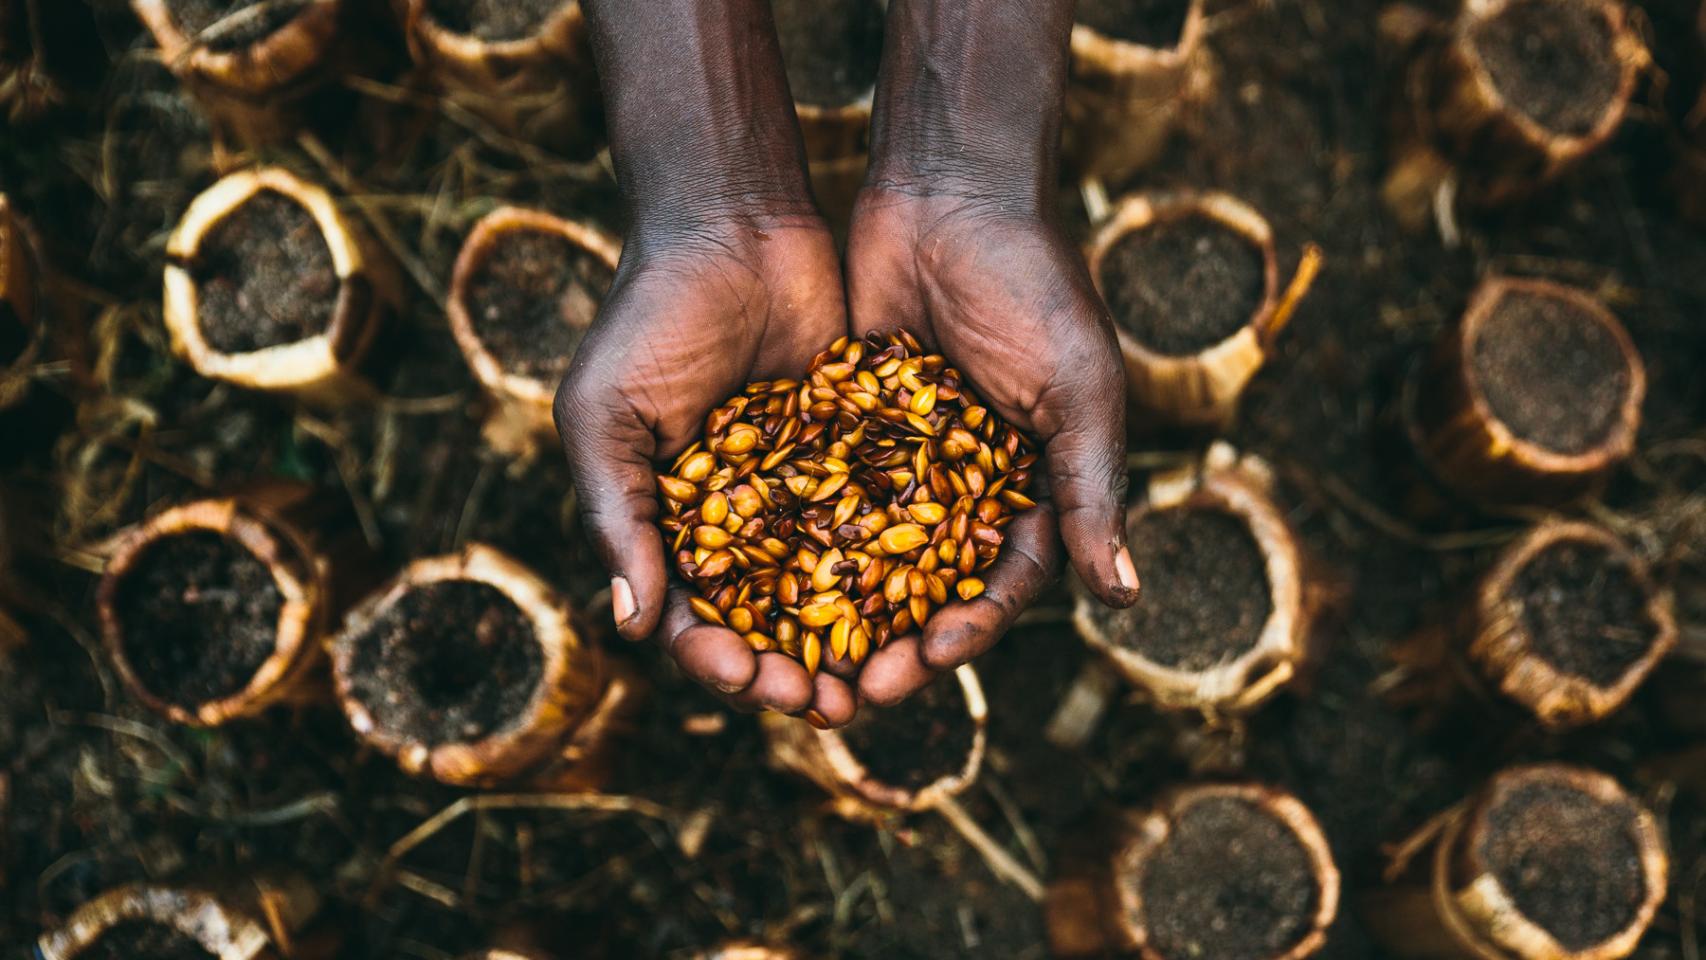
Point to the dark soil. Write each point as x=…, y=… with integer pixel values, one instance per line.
x=264, y=276
x=233, y=23
x=1182, y=285
x=918, y=742
x=1553, y=61
x=1229, y=882
x=1205, y=590
x=830, y=48
x=533, y=299
x=199, y=615
x=1152, y=23
x=1570, y=862
x=142, y=940
x=1584, y=612
x=449, y=662
x=1550, y=373
x=495, y=21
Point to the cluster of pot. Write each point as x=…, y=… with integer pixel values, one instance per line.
x=1124, y=102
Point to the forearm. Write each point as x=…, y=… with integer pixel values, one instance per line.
x=969, y=98
x=701, y=125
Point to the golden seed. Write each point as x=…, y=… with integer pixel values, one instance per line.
x=715, y=509
x=1017, y=500
x=903, y=538
x=824, y=576
x=838, y=636
x=924, y=400
x=706, y=610
x=740, y=620
x=697, y=467
x=679, y=491
x=818, y=615
x=969, y=588
x=928, y=514
x=759, y=642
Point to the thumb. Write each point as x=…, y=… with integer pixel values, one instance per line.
x=1085, y=457
x=609, y=450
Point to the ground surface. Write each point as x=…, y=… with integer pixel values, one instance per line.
x=95, y=791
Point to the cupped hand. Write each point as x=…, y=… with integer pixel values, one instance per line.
x=1002, y=293
x=693, y=314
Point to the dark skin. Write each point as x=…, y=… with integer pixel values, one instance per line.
x=729, y=275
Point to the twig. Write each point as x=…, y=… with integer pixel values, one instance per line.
x=382, y=228
x=999, y=861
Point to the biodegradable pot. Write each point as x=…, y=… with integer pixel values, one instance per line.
x=20, y=326
x=270, y=287
x=216, y=609
x=526, y=288
x=233, y=921
x=1534, y=396
x=831, y=51
x=1193, y=328
x=468, y=668
x=524, y=69
x=254, y=68
x=863, y=767
x=1209, y=536
x=1478, y=106
x=1547, y=862
x=1127, y=95
x=1568, y=623
x=1208, y=871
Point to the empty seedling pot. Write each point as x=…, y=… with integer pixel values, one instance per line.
x=1534, y=396
x=1136, y=67
x=252, y=63
x=1547, y=862
x=270, y=287
x=1233, y=872
x=1568, y=623
x=468, y=668
x=1192, y=281
x=216, y=609
x=1507, y=98
x=891, y=760
x=831, y=50
x=521, y=66
x=1228, y=602
x=154, y=922
x=20, y=327
x=526, y=289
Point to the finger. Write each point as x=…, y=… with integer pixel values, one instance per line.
x=833, y=702
x=1084, y=449
x=711, y=655
x=894, y=673
x=1030, y=560
x=780, y=684
x=609, y=451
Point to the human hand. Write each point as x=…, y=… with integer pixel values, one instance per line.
x=690, y=319
x=998, y=290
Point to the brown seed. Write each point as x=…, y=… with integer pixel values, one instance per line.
x=818, y=615
x=715, y=509
x=679, y=491
x=825, y=575
x=924, y=400
x=811, y=651
x=928, y=514
x=759, y=642
x=697, y=467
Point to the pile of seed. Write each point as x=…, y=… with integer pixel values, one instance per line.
x=835, y=513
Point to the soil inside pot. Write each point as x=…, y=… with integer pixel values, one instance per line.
x=1183, y=285
x=1205, y=590
x=223, y=25
x=532, y=300
x=1229, y=882
x=830, y=48
x=1152, y=23
x=199, y=615
x=1552, y=60
x=1550, y=372
x=264, y=276
x=449, y=662
x=1571, y=863
x=494, y=21
x=917, y=742
x=1584, y=612
x=145, y=940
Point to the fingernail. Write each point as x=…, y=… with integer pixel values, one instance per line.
x=622, y=600
x=1126, y=571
